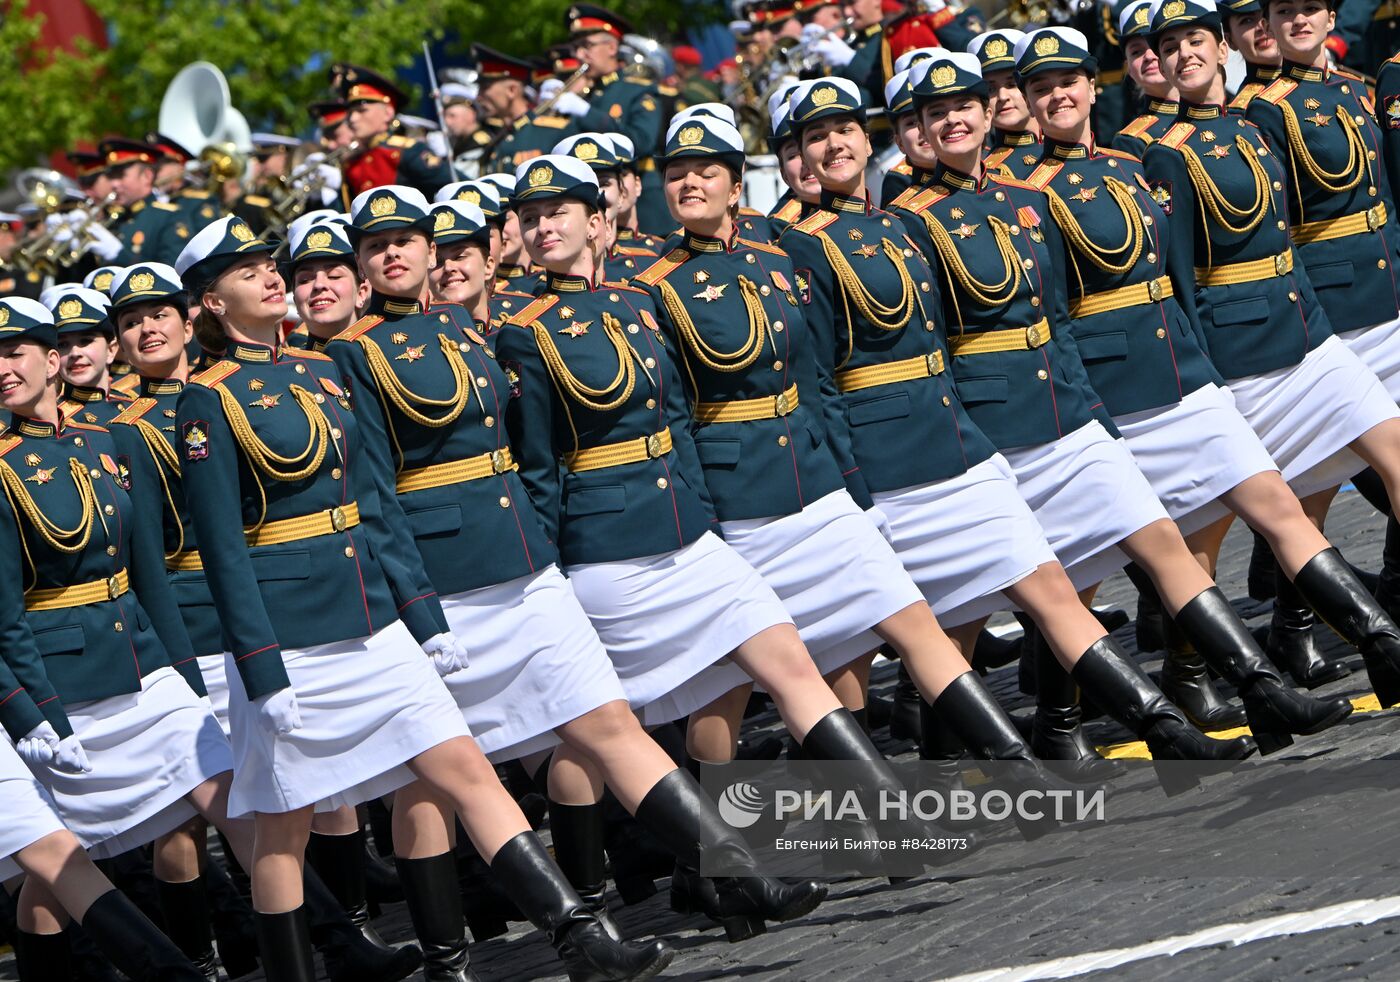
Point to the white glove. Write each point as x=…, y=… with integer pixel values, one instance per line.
x=811, y=34
x=70, y=757
x=278, y=711
x=447, y=652
x=833, y=52
x=882, y=522
x=437, y=143
x=102, y=243
x=549, y=87
x=36, y=747
x=572, y=104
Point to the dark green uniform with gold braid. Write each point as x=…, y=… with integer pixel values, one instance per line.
x=1341, y=210
x=1388, y=118
x=151, y=230
x=431, y=401
x=1252, y=298
x=1014, y=153
x=530, y=136
x=871, y=302
x=730, y=312
x=599, y=424
x=1141, y=349
x=1134, y=138
x=86, y=578
x=266, y=436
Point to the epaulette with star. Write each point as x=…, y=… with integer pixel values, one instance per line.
x=927, y=198
x=1120, y=154
x=1041, y=177
x=306, y=354
x=215, y=374
x=1278, y=90
x=816, y=221
x=663, y=267
x=360, y=328
x=74, y=424
x=136, y=410
x=534, y=311
x=1138, y=128
x=762, y=246
x=1177, y=135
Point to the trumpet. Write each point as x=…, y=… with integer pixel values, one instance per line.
x=290, y=197
x=217, y=164
x=797, y=58
x=46, y=253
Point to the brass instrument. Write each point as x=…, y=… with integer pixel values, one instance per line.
x=216, y=165
x=47, y=190
x=44, y=253
x=104, y=213
x=292, y=193
x=539, y=110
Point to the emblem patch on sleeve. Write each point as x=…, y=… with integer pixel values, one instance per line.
x=513, y=375
x=804, y=285
x=1161, y=192
x=196, y=439
x=1392, y=112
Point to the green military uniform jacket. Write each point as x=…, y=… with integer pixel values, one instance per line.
x=338, y=578
x=871, y=303
x=1342, y=221
x=1138, y=135
x=532, y=135
x=145, y=434
x=1256, y=79
x=592, y=380
x=91, y=406
x=1140, y=352
x=731, y=315
x=199, y=208
x=152, y=231
x=1257, y=317
x=1032, y=388
x=71, y=480
x=431, y=400
x=1370, y=30
x=1014, y=154
x=789, y=210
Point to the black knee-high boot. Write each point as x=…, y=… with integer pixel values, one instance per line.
x=1261, y=582
x=577, y=831
x=525, y=871
x=1128, y=695
x=1328, y=584
x=1187, y=683
x=339, y=860
x=1388, y=588
x=1291, y=644
x=284, y=941
x=679, y=812
x=1150, y=630
x=185, y=908
x=138, y=949
x=435, y=907
x=350, y=955
x=43, y=957
x=1274, y=710
x=904, y=719
x=231, y=916
x=1056, y=730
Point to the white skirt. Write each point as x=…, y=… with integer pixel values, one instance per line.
x=1193, y=452
x=833, y=571
x=216, y=682
x=1379, y=348
x=28, y=809
x=669, y=622
x=536, y=663
x=148, y=750
x=965, y=539
x=1307, y=414
x=368, y=705
x=1088, y=495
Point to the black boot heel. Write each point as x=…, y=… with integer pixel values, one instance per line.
x=738, y=929
x=1384, y=675
x=1270, y=741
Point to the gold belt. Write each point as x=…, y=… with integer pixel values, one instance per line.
x=80, y=595
x=456, y=471
x=336, y=519
x=617, y=454
x=1339, y=228
x=1125, y=296
x=1249, y=272
x=904, y=370
x=988, y=342
x=748, y=410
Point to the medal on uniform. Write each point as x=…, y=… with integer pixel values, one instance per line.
x=33, y=460
x=1317, y=119
x=577, y=329
x=1075, y=179
x=956, y=214
x=650, y=321
x=711, y=293
x=1219, y=151
x=1311, y=103
x=702, y=276
x=855, y=234
x=331, y=388
x=399, y=337
x=196, y=439
x=1085, y=194
x=266, y=401
x=411, y=353
x=566, y=313
x=256, y=385
x=966, y=231
x=41, y=475
x=866, y=251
